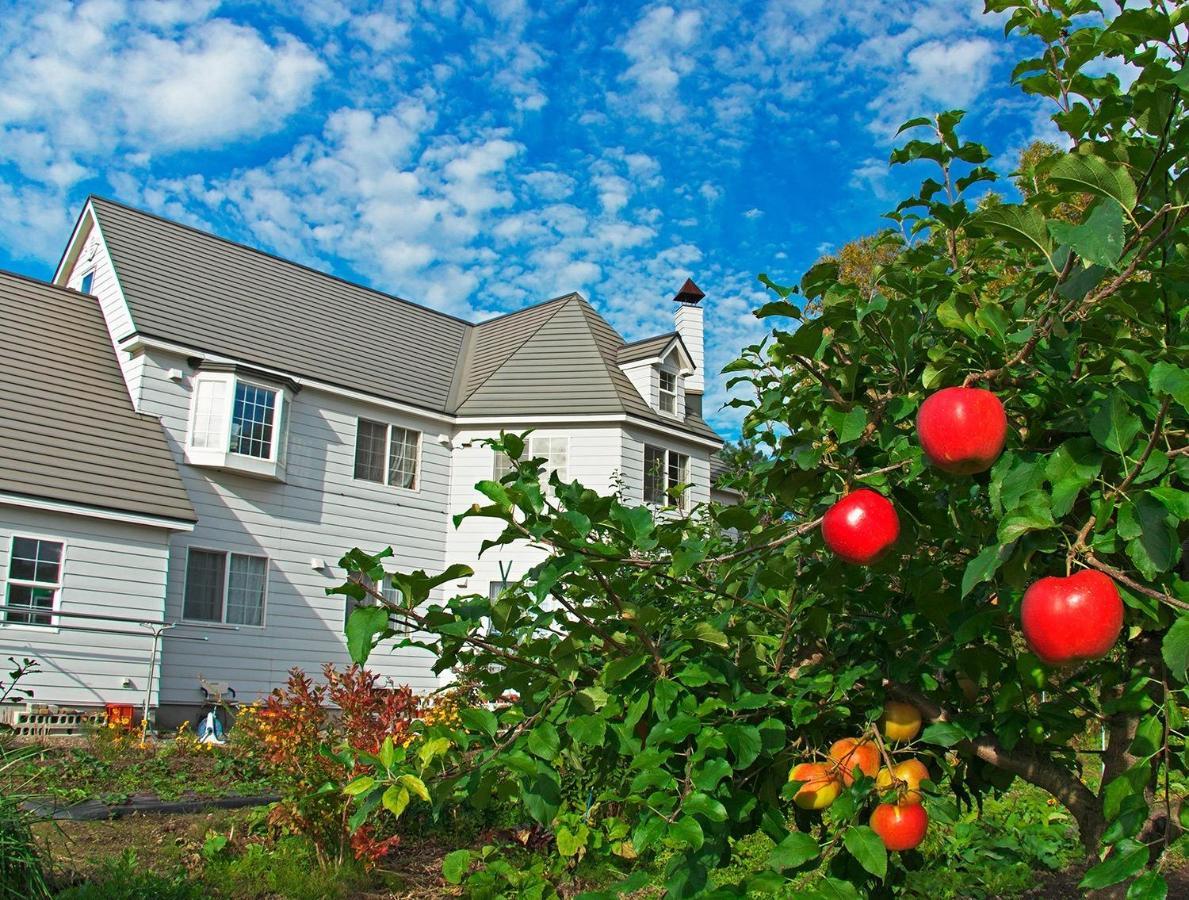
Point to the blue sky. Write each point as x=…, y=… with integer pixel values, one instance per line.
x=479, y=157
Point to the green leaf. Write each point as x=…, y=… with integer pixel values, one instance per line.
x=1126, y=859
x=387, y=753
x=1070, y=469
x=848, y=425
x=686, y=556
x=834, y=889
x=588, y=730
x=687, y=831
x=711, y=771
x=360, y=785
x=866, y=847
x=432, y=749
x=1097, y=240
x=544, y=741
x=478, y=719
x=1089, y=174
x=700, y=804
x=983, y=566
x=395, y=800
x=1021, y=225
x=1149, y=886
x=619, y=669
x=744, y=741
x=708, y=634
x=496, y=492
x=944, y=734
x=1018, y=523
x=794, y=851
x=568, y=843
x=365, y=626
x=455, y=865
x=1165, y=378
x=1113, y=425
x=415, y=785
x=1175, y=649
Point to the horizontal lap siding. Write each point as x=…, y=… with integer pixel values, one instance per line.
x=593, y=460
x=320, y=511
x=109, y=569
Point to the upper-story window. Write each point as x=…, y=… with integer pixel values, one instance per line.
x=665, y=470
x=87, y=280
x=668, y=392
x=554, y=450
x=387, y=454
x=237, y=423
x=34, y=581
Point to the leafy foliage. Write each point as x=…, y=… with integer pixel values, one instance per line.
x=683, y=664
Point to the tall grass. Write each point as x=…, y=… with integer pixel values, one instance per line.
x=21, y=873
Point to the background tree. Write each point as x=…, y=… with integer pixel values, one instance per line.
x=679, y=667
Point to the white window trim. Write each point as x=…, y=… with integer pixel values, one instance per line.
x=661, y=393
x=83, y=276
x=223, y=623
x=52, y=628
x=388, y=426
x=224, y=457
x=683, y=502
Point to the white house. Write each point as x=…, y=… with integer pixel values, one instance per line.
x=307, y=415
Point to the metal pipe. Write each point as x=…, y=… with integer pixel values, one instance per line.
x=148, y=691
x=78, y=615
x=88, y=629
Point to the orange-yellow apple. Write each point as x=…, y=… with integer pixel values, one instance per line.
x=819, y=786
x=900, y=721
x=855, y=753
x=906, y=776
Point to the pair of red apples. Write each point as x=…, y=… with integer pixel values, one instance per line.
x=962, y=431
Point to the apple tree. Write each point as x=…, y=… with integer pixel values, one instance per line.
x=670, y=670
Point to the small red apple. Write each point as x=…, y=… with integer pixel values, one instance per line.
x=1066, y=620
x=962, y=430
x=901, y=826
x=861, y=527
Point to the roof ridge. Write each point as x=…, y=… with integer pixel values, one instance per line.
x=274, y=256
x=565, y=299
x=653, y=338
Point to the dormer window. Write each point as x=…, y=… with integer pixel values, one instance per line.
x=668, y=395
x=236, y=422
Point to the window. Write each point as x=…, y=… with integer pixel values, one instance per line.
x=668, y=396
x=34, y=579
x=225, y=587
x=554, y=450
x=386, y=454
x=85, y=285
x=236, y=424
x=252, y=418
x=664, y=470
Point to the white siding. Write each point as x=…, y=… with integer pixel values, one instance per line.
x=320, y=511
x=109, y=568
x=634, y=440
x=593, y=459
x=106, y=287
x=643, y=376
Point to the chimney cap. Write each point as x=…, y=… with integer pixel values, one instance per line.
x=689, y=294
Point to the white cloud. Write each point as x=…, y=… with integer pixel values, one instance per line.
x=753, y=213
x=659, y=47
x=940, y=75
x=90, y=80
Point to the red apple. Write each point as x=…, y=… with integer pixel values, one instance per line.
x=901, y=826
x=849, y=754
x=962, y=430
x=861, y=527
x=1066, y=620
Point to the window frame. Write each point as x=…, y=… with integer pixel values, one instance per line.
x=86, y=281
x=275, y=438
x=52, y=627
x=681, y=503
x=663, y=393
x=385, y=480
x=219, y=454
x=227, y=554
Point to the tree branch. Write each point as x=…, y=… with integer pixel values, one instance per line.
x=1073, y=795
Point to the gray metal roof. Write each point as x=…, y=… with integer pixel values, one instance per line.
x=198, y=290
x=204, y=292
x=68, y=431
x=645, y=349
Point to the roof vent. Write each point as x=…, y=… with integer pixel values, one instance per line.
x=689, y=294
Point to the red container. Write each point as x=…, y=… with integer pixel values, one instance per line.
x=120, y=714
